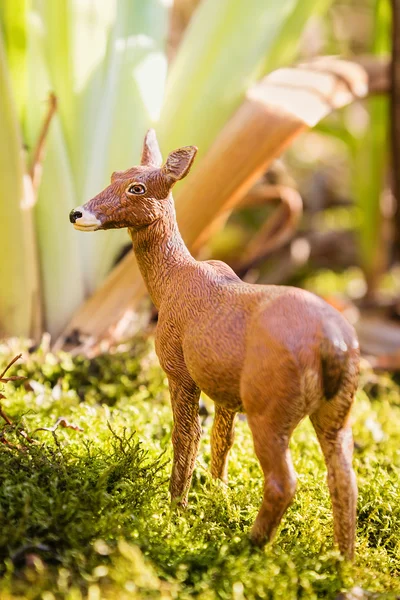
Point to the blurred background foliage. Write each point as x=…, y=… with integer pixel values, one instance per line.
x=115, y=68
x=80, y=82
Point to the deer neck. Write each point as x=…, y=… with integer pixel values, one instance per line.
x=161, y=253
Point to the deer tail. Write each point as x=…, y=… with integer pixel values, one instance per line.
x=334, y=359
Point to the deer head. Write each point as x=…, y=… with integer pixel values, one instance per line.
x=139, y=196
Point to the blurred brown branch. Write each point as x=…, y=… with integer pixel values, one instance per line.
x=35, y=171
x=277, y=230
x=180, y=15
x=395, y=114
x=275, y=111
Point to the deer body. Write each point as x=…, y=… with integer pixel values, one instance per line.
x=277, y=353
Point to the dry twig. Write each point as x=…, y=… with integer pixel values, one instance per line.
x=61, y=422
x=35, y=172
x=4, y=416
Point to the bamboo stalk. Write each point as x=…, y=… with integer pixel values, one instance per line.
x=276, y=110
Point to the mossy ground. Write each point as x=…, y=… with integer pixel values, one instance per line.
x=86, y=514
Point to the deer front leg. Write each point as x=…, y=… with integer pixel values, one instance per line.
x=185, y=436
x=222, y=436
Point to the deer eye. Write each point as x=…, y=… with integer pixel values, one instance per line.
x=136, y=188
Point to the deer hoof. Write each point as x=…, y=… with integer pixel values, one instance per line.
x=258, y=537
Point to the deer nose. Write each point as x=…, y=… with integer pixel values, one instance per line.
x=74, y=215
x=84, y=220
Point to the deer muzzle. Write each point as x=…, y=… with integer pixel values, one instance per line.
x=84, y=220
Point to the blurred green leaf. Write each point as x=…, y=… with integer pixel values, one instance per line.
x=370, y=154
x=19, y=299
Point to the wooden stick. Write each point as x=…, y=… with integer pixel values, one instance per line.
x=275, y=111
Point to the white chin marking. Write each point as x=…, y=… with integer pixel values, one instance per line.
x=87, y=222
x=85, y=227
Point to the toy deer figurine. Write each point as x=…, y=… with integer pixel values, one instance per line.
x=276, y=353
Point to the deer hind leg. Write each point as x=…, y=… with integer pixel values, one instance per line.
x=272, y=449
x=222, y=436
x=272, y=397
x=334, y=433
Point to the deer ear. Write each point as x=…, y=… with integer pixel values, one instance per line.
x=151, y=154
x=116, y=175
x=178, y=163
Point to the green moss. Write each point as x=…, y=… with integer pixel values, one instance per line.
x=86, y=514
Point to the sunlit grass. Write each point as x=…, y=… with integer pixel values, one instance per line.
x=86, y=514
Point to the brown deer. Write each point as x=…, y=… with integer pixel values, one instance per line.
x=276, y=353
